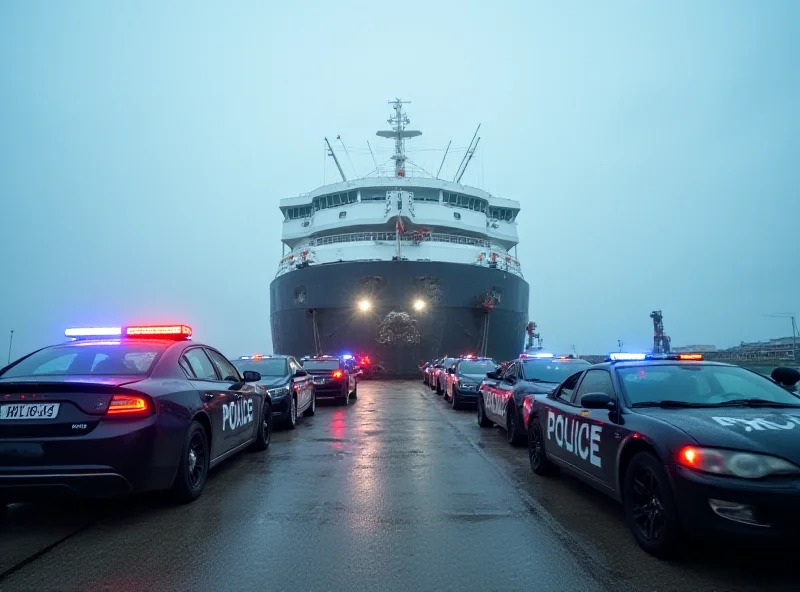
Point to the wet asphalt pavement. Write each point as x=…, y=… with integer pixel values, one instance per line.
x=394, y=492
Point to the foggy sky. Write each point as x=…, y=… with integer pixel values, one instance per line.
x=653, y=146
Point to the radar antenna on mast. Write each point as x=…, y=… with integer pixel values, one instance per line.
x=399, y=132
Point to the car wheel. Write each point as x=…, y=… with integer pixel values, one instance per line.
x=192, y=466
x=536, y=453
x=264, y=430
x=345, y=398
x=454, y=402
x=650, y=510
x=483, y=421
x=354, y=394
x=291, y=420
x=513, y=431
x=312, y=409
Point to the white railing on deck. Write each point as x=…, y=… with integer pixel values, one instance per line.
x=490, y=255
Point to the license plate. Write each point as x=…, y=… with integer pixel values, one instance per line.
x=29, y=411
x=320, y=380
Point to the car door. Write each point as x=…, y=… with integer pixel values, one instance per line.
x=302, y=385
x=560, y=416
x=243, y=405
x=213, y=394
x=501, y=392
x=604, y=432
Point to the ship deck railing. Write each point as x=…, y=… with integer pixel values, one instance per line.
x=494, y=256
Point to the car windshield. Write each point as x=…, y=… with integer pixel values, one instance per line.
x=554, y=370
x=321, y=364
x=265, y=367
x=113, y=358
x=700, y=384
x=477, y=367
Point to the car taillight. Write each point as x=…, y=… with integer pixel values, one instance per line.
x=337, y=374
x=128, y=406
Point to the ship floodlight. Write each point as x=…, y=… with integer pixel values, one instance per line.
x=419, y=304
x=364, y=305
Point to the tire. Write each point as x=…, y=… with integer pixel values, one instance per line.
x=291, y=420
x=439, y=391
x=354, y=394
x=513, y=430
x=650, y=509
x=483, y=421
x=345, y=398
x=536, y=451
x=264, y=431
x=312, y=409
x=192, y=474
x=454, y=402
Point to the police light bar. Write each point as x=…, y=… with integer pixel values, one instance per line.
x=347, y=357
x=539, y=355
x=626, y=357
x=88, y=332
x=159, y=331
x=244, y=357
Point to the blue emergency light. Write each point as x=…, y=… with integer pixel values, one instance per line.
x=93, y=332
x=538, y=355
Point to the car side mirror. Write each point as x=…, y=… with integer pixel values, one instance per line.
x=511, y=379
x=786, y=376
x=251, y=376
x=451, y=370
x=299, y=374
x=596, y=401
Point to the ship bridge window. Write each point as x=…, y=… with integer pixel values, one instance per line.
x=373, y=195
x=336, y=199
x=468, y=202
x=505, y=214
x=298, y=212
x=426, y=195
x=342, y=215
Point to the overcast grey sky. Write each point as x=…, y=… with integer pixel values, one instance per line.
x=654, y=147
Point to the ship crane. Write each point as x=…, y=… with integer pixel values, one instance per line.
x=660, y=341
x=533, y=338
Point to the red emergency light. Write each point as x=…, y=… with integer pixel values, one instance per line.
x=159, y=331
x=337, y=374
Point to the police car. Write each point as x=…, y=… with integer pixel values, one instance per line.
x=289, y=386
x=501, y=394
x=689, y=447
x=464, y=378
x=124, y=410
x=332, y=378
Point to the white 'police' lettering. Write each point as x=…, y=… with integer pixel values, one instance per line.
x=577, y=437
x=236, y=414
x=760, y=423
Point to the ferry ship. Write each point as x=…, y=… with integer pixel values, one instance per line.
x=399, y=266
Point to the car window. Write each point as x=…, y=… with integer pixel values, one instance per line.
x=511, y=371
x=321, y=364
x=705, y=384
x=184, y=364
x=554, y=370
x=201, y=365
x=565, y=391
x=264, y=366
x=595, y=381
x=94, y=358
x=227, y=370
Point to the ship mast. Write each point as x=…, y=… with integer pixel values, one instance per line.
x=399, y=133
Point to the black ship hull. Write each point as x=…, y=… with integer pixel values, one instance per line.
x=468, y=309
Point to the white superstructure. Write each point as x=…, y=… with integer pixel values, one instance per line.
x=401, y=212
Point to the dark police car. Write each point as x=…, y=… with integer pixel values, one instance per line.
x=687, y=446
x=502, y=393
x=332, y=378
x=289, y=386
x=122, y=410
x=463, y=379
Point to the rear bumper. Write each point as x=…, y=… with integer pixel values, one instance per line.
x=324, y=391
x=116, y=458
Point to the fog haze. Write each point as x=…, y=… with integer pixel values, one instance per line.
x=144, y=147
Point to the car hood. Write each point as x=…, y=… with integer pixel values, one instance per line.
x=539, y=388
x=273, y=381
x=476, y=378
x=768, y=430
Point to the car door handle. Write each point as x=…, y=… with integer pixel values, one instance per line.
x=238, y=395
x=209, y=396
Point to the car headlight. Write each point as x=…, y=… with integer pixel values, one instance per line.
x=732, y=463
x=277, y=393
